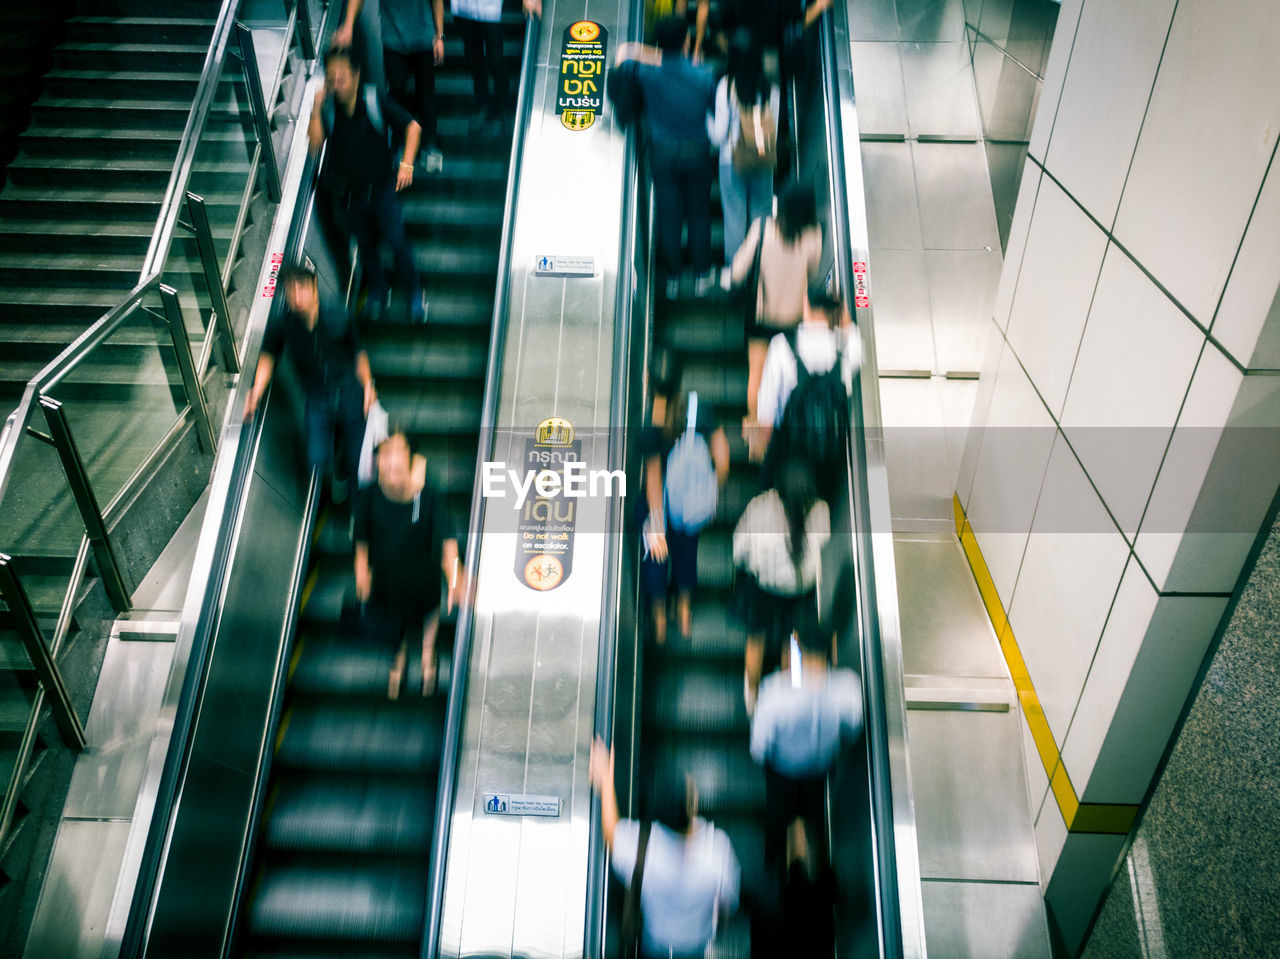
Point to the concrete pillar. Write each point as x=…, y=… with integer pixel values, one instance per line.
x=1124, y=450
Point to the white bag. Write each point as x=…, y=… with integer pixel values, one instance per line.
x=375, y=431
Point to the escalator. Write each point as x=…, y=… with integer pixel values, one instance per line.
x=689, y=699
x=345, y=840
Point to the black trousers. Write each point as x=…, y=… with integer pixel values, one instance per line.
x=373, y=213
x=682, y=175
x=420, y=66
x=483, y=44
x=784, y=800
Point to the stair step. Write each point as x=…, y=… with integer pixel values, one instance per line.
x=161, y=57
x=138, y=30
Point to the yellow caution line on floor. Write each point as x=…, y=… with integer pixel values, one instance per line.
x=1080, y=817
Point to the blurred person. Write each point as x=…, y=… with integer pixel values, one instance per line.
x=777, y=551
x=689, y=875
x=775, y=25
x=803, y=402
x=404, y=542
x=362, y=173
x=677, y=97
x=748, y=151
x=806, y=714
x=790, y=254
x=670, y=563
x=480, y=24
x=332, y=367
x=794, y=910
x=412, y=48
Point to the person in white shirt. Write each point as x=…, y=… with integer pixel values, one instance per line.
x=825, y=330
x=777, y=553
x=806, y=714
x=690, y=875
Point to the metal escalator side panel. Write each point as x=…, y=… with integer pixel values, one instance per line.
x=508, y=885
x=876, y=626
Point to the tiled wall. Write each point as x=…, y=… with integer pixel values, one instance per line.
x=1124, y=450
x=1009, y=43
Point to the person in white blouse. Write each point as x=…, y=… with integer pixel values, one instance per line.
x=825, y=331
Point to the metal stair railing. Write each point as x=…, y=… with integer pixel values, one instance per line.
x=166, y=389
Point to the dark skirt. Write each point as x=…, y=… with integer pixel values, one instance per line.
x=761, y=611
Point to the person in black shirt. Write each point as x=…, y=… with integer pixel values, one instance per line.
x=404, y=540
x=363, y=176
x=332, y=368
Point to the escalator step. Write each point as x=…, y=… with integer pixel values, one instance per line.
x=353, y=900
x=345, y=814
x=728, y=781
x=342, y=665
x=699, y=699
x=374, y=735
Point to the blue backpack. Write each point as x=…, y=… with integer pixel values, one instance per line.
x=691, y=486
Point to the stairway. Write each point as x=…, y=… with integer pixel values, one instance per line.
x=344, y=846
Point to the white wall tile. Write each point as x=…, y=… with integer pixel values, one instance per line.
x=903, y=319
x=1051, y=837
x=1059, y=272
x=962, y=286
x=1150, y=653
x=1064, y=35
x=1081, y=875
x=1104, y=97
x=1250, y=304
x=956, y=208
x=1013, y=254
x=1016, y=441
x=940, y=96
x=1132, y=372
x=1205, y=144
x=1069, y=576
x=1216, y=485
x=978, y=418
x=920, y=483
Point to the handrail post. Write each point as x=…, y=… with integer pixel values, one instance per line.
x=221, y=328
x=187, y=366
x=306, y=36
x=42, y=662
x=258, y=105
x=86, y=503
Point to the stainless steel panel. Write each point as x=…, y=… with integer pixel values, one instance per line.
x=882, y=98
x=518, y=886
x=930, y=20
x=873, y=20
x=978, y=920
x=893, y=212
x=940, y=96
x=962, y=289
x=971, y=796
x=956, y=211
x=75, y=899
x=945, y=629
x=920, y=482
x=108, y=775
x=904, y=333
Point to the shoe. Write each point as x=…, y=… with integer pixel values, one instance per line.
x=703, y=283
x=418, y=307
x=434, y=159
x=672, y=290
x=726, y=278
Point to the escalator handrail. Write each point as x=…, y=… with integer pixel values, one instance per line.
x=606, y=668
x=892, y=809
x=488, y=418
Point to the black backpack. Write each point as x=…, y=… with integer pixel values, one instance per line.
x=815, y=421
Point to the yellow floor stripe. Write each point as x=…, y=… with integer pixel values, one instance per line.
x=1079, y=817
